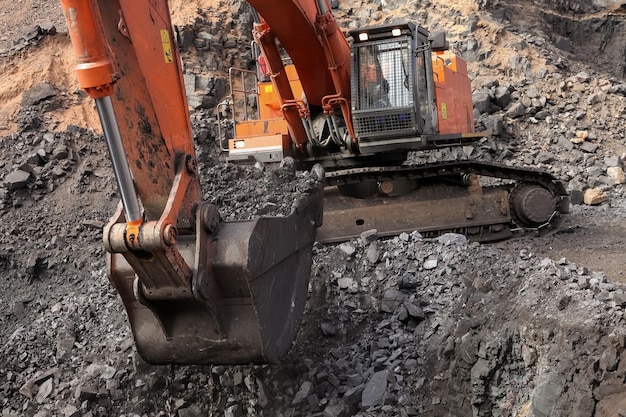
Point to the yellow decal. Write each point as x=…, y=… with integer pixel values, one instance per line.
x=167, y=46
x=268, y=88
x=444, y=111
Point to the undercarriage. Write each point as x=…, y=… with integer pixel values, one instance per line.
x=485, y=202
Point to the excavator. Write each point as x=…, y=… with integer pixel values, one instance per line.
x=359, y=108
x=199, y=290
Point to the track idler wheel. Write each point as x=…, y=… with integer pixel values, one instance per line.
x=532, y=205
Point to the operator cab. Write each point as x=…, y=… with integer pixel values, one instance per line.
x=392, y=94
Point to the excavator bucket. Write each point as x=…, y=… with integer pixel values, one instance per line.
x=250, y=283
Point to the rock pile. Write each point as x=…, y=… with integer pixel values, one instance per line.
x=261, y=190
x=29, y=38
x=398, y=327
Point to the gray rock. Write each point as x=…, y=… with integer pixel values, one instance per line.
x=532, y=93
x=93, y=224
x=369, y=236
x=345, y=283
x=613, y=161
x=185, y=37
x=17, y=179
x=64, y=345
x=452, y=239
x=328, y=330
x=608, y=359
x=583, y=77
x=373, y=253
x=335, y=408
x=544, y=397
x=589, y=147
x=392, y=299
x=616, y=174
x=233, y=411
x=303, y=393
x=529, y=355
x=347, y=248
x=564, y=44
x=576, y=197
x=481, y=101
x=45, y=389
x=502, y=96
x=263, y=394
x=430, y=263
x=86, y=393
x=72, y=411
x=190, y=83
x=48, y=28
x=191, y=411
x=494, y=123
x=565, y=143
x=60, y=152
x=37, y=94
x=353, y=395
x=415, y=311
x=584, y=404
x=375, y=389
x=516, y=110
x=481, y=370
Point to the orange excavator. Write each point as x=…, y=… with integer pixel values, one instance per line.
x=199, y=290
x=359, y=108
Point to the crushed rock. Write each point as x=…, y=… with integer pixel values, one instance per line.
x=394, y=327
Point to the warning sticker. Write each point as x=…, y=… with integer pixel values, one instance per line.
x=167, y=46
x=444, y=111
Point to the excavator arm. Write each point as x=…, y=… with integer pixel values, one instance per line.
x=196, y=289
x=320, y=52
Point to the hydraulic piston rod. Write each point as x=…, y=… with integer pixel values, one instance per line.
x=95, y=75
x=119, y=161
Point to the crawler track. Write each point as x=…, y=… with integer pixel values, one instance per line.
x=486, y=202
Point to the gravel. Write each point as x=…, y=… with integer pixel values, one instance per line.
x=404, y=326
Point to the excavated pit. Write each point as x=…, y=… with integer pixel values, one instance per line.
x=394, y=327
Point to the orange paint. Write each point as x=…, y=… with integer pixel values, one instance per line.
x=453, y=93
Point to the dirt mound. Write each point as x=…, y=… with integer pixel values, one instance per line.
x=51, y=62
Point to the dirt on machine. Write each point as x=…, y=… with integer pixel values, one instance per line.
x=199, y=290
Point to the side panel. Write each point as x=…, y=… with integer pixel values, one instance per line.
x=269, y=105
x=453, y=93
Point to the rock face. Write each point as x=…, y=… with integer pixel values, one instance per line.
x=582, y=28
